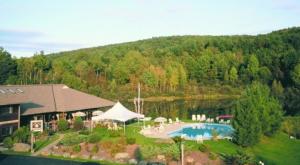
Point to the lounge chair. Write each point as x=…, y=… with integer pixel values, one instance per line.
x=198, y=117
x=170, y=121
x=177, y=120
x=194, y=117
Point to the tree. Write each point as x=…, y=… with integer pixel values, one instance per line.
x=265, y=74
x=41, y=64
x=296, y=75
x=8, y=66
x=233, y=76
x=63, y=125
x=78, y=124
x=277, y=89
x=182, y=76
x=253, y=67
x=256, y=113
x=81, y=69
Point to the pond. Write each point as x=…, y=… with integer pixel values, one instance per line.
x=184, y=109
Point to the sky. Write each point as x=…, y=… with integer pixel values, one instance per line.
x=30, y=26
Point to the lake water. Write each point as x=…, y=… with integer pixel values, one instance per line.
x=184, y=109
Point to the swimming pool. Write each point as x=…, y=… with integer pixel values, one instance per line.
x=204, y=131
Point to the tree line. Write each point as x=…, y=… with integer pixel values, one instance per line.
x=173, y=65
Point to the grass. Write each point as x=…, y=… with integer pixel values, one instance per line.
x=279, y=149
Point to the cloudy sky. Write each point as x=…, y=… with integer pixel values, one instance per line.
x=58, y=25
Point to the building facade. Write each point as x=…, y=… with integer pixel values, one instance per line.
x=21, y=103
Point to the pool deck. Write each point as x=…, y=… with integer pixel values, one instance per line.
x=162, y=132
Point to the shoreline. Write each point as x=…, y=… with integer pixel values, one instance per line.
x=189, y=97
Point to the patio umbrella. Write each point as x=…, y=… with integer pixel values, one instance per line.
x=97, y=113
x=160, y=120
x=79, y=114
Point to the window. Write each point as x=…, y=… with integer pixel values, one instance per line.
x=6, y=131
x=4, y=110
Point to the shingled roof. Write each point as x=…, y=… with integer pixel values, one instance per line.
x=38, y=99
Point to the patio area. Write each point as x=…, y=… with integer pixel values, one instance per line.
x=162, y=130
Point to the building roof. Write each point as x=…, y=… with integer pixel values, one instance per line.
x=37, y=99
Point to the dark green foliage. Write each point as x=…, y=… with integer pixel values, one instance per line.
x=138, y=154
x=130, y=140
x=8, y=66
x=203, y=148
x=76, y=148
x=94, y=138
x=78, y=124
x=84, y=132
x=21, y=135
x=256, y=113
x=240, y=158
x=63, y=125
x=8, y=142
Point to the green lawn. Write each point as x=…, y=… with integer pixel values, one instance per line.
x=278, y=150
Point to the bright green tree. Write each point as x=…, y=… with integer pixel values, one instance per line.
x=233, y=75
x=253, y=67
x=296, y=75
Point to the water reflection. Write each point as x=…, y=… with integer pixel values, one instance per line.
x=184, y=109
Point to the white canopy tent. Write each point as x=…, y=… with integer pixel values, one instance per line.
x=118, y=112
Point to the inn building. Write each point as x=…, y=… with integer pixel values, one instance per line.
x=19, y=104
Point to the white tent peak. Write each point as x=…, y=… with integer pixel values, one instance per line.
x=118, y=112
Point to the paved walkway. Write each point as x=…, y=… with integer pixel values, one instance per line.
x=48, y=147
x=162, y=132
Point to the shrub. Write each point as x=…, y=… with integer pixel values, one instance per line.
x=94, y=138
x=114, y=133
x=212, y=156
x=203, y=148
x=78, y=124
x=84, y=132
x=72, y=139
x=21, y=135
x=138, y=154
x=62, y=125
x=95, y=149
x=130, y=140
x=76, y=148
x=8, y=142
x=240, y=158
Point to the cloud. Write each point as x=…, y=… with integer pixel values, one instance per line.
x=22, y=42
x=287, y=5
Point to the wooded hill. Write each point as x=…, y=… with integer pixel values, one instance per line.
x=176, y=65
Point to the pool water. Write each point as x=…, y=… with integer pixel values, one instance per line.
x=203, y=130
